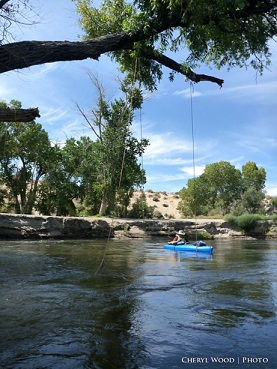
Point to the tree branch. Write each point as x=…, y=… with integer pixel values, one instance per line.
x=27, y=53
x=88, y=122
x=173, y=65
x=3, y=2
x=24, y=54
x=18, y=115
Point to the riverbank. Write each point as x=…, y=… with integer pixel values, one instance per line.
x=18, y=226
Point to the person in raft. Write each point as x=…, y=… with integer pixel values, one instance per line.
x=180, y=236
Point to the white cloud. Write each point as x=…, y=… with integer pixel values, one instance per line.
x=5, y=91
x=164, y=160
x=166, y=143
x=169, y=149
x=187, y=93
x=166, y=178
x=53, y=115
x=261, y=91
x=272, y=142
x=271, y=191
x=191, y=171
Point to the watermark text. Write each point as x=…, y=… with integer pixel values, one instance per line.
x=224, y=360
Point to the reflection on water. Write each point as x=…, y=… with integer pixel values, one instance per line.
x=145, y=308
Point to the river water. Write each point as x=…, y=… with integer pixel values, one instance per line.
x=83, y=304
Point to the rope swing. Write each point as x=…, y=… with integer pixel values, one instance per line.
x=193, y=152
x=122, y=166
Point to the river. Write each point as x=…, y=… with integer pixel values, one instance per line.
x=83, y=304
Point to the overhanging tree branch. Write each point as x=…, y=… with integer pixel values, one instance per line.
x=173, y=65
x=18, y=115
x=3, y=2
x=28, y=53
x=25, y=54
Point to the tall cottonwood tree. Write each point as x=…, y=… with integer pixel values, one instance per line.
x=116, y=151
x=218, y=33
x=222, y=186
x=253, y=184
x=252, y=176
x=25, y=154
x=61, y=184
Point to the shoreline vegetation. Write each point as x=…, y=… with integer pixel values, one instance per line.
x=19, y=226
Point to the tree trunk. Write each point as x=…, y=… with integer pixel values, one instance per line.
x=104, y=205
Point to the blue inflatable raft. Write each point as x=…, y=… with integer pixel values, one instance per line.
x=198, y=246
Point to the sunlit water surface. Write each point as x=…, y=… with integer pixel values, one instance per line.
x=145, y=307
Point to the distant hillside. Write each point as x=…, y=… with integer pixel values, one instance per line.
x=164, y=203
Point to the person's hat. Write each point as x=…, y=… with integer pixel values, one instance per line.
x=181, y=233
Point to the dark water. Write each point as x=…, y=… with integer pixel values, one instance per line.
x=145, y=308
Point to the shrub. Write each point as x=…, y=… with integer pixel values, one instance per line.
x=141, y=210
x=200, y=235
x=215, y=213
x=274, y=201
x=231, y=219
x=157, y=215
x=245, y=222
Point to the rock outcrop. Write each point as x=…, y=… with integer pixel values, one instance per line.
x=38, y=227
x=28, y=226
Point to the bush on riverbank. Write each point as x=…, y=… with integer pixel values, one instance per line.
x=247, y=222
x=200, y=235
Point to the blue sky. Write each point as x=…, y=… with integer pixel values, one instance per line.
x=237, y=123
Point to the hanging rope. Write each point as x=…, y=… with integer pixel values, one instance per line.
x=141, y=137
x=122, y=164
x=193, y=153
x=131, y=100
x=105, y=251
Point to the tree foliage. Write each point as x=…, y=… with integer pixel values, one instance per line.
x=60, y=185
x=236, y=33
x=251, y=202
x=25, y=153
x=116, y=150
x=219, y=34
x=224, y=183
x=226, y=188
x=100, y=174
x=195, y=197
x=140, y=209
x=252, y=176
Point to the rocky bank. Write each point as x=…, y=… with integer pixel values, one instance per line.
x=14, y=226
